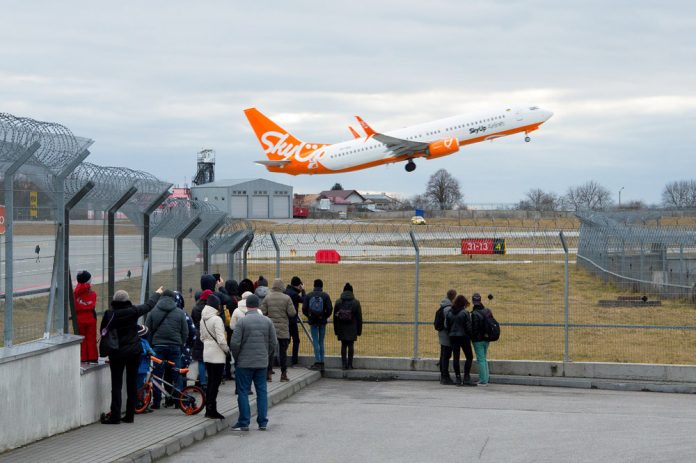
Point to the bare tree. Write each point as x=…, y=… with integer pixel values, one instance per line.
x=443, y=190
x=419, y=202
x=337, y=187
x=538, y=200
x=680, y=194
x=634, y=205
x=590, y=196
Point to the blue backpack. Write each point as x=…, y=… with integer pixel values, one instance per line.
x=316, y=306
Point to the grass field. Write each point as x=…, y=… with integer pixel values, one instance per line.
x=528, y=291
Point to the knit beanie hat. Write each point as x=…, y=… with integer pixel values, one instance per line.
x=252, y=301
x=208, y=282
x=348, y=287
x=83, y=276
x=213, y=302
x=295, y=281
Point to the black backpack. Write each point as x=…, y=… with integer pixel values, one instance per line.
x=345, y=313
x=439, y=322
x=484, y=326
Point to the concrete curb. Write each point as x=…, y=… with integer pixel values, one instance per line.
x=571, y=382
x=176, y=443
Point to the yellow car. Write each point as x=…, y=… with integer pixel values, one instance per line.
x=418, y=220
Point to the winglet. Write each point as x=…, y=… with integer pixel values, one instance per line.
x=368, y=130
x=352, y=130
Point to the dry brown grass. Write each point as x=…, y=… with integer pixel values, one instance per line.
x=523, y=293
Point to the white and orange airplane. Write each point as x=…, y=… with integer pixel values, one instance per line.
x=288, y=155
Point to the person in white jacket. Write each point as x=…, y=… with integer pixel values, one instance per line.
x=215, y=350
x=240, y=311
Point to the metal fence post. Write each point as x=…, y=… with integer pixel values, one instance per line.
x=59, y=201
x=147, y=240
x=55, y=279
x=205, y=242
x=112, y=239
x=277, y=250
x=180, y=252
x=70, y=303
x=244, y=259
x=416, y=317
x=9, y=238
x=566, y=355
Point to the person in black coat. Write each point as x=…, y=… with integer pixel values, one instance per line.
x=458, y=324
x=347, y=324
x=123, y=317
x=296, y=292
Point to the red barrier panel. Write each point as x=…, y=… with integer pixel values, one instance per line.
x=327, y=256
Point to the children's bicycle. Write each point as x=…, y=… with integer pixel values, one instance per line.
x=190, y=399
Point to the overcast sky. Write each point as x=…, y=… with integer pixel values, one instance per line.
x=154, y=82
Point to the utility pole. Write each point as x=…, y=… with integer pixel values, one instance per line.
x=620, y=196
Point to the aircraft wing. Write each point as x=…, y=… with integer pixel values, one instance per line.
x=399, y=146
x=273, y=163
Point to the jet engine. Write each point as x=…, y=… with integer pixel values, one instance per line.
x=443, y=147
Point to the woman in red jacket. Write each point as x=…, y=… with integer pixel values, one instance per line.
x=85, y=302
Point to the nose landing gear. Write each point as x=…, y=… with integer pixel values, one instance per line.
x=410, y=166
x=527, y=139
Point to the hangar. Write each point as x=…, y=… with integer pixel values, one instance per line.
x=247, y=198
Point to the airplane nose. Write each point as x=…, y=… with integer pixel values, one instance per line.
x=548, y=114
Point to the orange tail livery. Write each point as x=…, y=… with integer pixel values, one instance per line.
x=286, y=154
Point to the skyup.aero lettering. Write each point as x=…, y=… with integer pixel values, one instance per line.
x=287, y=154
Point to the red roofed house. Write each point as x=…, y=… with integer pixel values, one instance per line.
x=340, y=201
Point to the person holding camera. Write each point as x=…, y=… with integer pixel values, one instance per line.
x=122, y=317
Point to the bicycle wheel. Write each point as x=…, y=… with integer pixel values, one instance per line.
x=143, y=399
x=192, y=400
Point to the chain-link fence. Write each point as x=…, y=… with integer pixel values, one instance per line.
x=400, y=274
x=62, y=215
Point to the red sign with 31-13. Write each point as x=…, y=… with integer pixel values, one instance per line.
x=483, y=246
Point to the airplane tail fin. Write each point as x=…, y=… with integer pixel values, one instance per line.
x=368, y=130
x=275, y=140
x=355, y=134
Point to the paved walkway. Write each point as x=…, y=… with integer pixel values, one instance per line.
x=153, y=435
x=337, y=420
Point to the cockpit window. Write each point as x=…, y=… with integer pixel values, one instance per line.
x=533, y=108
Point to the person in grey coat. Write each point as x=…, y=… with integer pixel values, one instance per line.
x=253, y=341
x=443, y=336
x=168, y=330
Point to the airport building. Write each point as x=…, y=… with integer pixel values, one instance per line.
x=247, y=198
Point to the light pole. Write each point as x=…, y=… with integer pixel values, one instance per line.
x=620, y=196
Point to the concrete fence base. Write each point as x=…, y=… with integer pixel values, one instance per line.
x=585, y=370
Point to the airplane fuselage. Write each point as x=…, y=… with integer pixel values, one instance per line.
x=365, y=152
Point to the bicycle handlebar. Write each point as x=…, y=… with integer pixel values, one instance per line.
x=182, y=371
x=156, y=360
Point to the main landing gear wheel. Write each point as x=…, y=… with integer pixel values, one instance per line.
x=410, y=166
x=527, y=139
